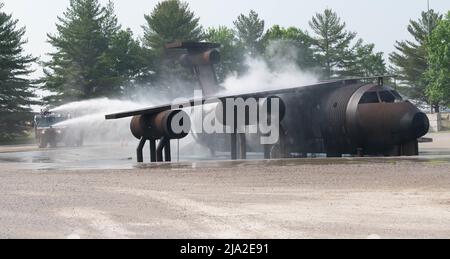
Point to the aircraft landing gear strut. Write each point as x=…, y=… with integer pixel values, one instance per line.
x=241, y=149
x=156, y=152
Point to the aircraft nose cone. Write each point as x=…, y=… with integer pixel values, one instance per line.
x=420, y=124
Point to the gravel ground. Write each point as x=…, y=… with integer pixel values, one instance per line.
x=317, y=198
x=275, y=200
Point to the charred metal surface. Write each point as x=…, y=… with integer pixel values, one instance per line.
x=158, y=127
x=265, y=104
x=209, y=57
x=140, y=155
x=192, y=46
x=163, y=146
x=357, y=116
x=200, y=59
x=373, y=120
x=234, y=149
x=242, y=146
x=325, y=86
x=153, y=157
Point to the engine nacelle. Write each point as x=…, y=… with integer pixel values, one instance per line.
x=160, y=125
x=209, y=57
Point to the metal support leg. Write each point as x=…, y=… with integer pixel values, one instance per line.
x=283, y=151
x=410, y=148
x=153, y=150
x=159, y=150
x=167, y=151
x=243, y=146
x=140, y=156
x=267, y=151
x=360, y=152
x=233, y=146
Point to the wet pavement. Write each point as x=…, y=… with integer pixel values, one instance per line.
x=116, y=156
x=98, y=157
x=87, y=157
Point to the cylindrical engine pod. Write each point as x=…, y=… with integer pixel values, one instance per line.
x=161, y=125
x=204, y=58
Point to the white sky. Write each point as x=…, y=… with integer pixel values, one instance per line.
x=381, y=22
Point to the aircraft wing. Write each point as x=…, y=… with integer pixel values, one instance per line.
x=263, y=94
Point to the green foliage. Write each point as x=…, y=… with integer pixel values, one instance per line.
x=170, y=21
x=289, y=44
x=331, y=42
x=94, y=57
x=364, y=62
x=438, y=73
x=16, y=92
x=250, y=32
x=231, y=52
x=130, y=62
x=92, y=54
x=410, y=59
x=330, y=50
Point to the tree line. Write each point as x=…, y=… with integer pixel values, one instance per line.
x=95, y=57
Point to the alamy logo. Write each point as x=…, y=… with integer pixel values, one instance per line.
x=230, y=115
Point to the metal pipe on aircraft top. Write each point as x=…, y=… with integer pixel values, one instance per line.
x=209, y=57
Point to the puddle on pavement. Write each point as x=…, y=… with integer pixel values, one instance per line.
x=115, y=158
x=11, y=160
x=290, y=162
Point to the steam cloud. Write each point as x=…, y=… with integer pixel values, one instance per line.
x=277, y=72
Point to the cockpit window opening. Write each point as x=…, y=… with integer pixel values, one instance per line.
x=397, y=95
x=387, y=97
x=369, y=97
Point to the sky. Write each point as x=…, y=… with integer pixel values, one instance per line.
x=382, y=22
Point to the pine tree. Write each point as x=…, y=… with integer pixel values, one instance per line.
x=331, y=42
x=250, y=32
x=82, y=65
x=170, y=21
x=231, y=53
x=16, y=91
x=290, y=44
x=129, y=61
x=410, y=59
x=438, y=73
x=364, y=61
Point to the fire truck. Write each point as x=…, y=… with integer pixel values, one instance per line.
x=51, y=131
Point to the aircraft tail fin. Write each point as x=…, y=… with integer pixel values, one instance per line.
x=201, y=58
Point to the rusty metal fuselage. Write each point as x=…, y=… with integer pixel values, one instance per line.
x=341, y=117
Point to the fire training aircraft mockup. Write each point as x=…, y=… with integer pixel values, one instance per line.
x=358, y=117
